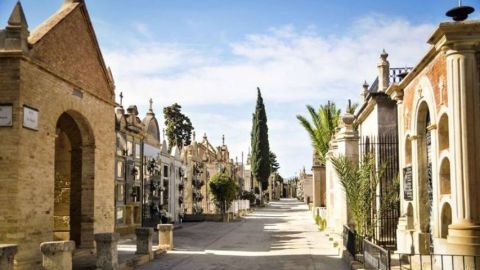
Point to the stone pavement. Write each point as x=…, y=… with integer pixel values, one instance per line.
x=280, y=236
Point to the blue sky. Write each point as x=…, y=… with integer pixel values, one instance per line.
x=210, y=56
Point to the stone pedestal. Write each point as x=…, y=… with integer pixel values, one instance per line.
x=57, y=255
x=144, y=241
x=7, y=254
x=107, y=253
x=165, y=236
x=318, y=184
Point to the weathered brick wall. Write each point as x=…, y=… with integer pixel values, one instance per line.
x=9, y=158
x=436, y=72
x=35, y=166
x=64, y=49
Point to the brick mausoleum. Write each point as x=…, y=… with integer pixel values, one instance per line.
x=57, y=131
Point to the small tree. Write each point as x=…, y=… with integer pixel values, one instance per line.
x=321, y=127
x=179, y=126
x=360, y=184
x=224, y=191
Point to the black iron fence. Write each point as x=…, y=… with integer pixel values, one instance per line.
x=434, y=262
x=384, y=218
x=352, y=242
x=376, y=257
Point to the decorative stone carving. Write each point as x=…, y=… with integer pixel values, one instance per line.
x=57, y=255
x=107, y=253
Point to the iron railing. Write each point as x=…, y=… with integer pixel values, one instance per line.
x=384, y=219
x=434, y=262
x=352, y=241
x=376, y=257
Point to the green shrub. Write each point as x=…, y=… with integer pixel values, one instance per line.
x=321, y=223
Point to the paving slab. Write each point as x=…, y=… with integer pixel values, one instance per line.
x=280, y=236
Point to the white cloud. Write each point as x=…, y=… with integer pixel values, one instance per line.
x=292, y=66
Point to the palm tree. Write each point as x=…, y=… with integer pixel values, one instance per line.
x=359, y=182
x=351, y=108
x=322, y=127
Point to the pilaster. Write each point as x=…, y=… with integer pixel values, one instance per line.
x=464, y=126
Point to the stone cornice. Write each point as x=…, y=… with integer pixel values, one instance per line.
x=448, y=33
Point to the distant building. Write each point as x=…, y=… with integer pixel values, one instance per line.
x=305, y=188
x=128, y=170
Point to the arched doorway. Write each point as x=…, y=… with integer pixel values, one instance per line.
x=74, y=180
x=424, y=154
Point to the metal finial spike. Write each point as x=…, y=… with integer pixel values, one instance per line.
x=151, y=103
x=223, y=139
x=121, y=98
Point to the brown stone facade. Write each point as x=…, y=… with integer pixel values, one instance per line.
x=56, y=180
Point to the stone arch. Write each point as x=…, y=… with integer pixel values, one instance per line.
x=444, y=176
x=424, y=156
x=446, y=219
x=443, y=136
x=74, y=179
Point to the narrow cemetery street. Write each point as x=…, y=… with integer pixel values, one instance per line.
x=280, y=236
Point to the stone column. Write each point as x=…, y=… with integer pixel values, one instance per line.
x=144, y=241
x=165, y=236
x=57, y=255
x=107, y=252
x=464, y=144
x=346, y=143
x=7, y=255
x=383, y=72
x=318, y=182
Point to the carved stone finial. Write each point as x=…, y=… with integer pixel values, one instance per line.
x=205, y=136
x=365, y=86
x=384, y=55
x=17, y=17
x=151, y=104
x=383, y=72
x=193, y=136
x=223, y=139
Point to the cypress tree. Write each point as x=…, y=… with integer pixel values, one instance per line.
x=260, y=145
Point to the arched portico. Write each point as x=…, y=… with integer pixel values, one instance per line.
x=74, y=180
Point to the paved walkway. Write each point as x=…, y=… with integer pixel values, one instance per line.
x=280, y=236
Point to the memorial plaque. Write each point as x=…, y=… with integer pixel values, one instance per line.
x=30, y=118
x=407, y=184
x=6, y=115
